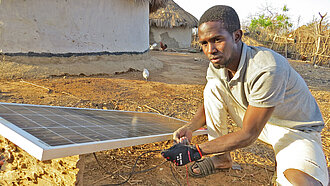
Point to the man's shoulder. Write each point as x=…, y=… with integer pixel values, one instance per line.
x=264, y=58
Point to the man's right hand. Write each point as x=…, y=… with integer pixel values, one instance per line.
x=182, y=133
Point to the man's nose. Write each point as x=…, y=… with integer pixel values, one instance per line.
x=211, y=48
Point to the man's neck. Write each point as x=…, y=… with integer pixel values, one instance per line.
x=233, y=67
x=230, y=75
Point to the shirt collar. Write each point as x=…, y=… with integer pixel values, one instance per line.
x=241, y=62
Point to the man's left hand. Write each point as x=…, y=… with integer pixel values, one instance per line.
x=182, y=154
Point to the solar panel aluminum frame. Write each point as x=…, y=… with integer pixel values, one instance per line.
x=43, y=151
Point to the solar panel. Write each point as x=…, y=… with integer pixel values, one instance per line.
x=49, y=132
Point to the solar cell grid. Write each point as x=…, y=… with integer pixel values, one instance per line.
x=54, y=128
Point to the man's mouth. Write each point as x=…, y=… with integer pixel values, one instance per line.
x=215, y=60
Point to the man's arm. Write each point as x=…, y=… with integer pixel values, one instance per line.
x=255, y=119
x=197, y=122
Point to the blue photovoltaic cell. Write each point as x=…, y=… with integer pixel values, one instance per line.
x=57, y=126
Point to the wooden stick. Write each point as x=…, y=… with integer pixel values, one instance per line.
x=327, y=121
x=103, y=178
x=48, y=89
x=322, y=55
x=153, y=109
x=66, y=93
x=125, y=179
x=176, y=171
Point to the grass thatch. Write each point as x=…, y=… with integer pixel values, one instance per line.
x=154, y=5
x=172, y=16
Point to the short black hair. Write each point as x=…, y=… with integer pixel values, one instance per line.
x=226, y=14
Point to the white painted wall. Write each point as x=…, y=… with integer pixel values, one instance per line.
x=77, y=26
x=181, y=35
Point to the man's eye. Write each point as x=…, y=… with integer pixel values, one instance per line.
x=217, y=40
x=204, y=43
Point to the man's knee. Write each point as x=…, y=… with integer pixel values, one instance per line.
x=297, y=177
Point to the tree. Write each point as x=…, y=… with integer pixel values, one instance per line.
x=271, y=22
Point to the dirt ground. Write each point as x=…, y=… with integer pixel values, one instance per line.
x=174, y=90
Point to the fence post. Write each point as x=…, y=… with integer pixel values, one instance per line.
x=318, y=33
x=271, y=47
x=286, y=47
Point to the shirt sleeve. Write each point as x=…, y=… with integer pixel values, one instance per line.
x=267, y=88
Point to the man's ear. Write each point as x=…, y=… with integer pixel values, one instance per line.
x=237, y=35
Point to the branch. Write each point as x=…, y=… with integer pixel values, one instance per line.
x=320, y=23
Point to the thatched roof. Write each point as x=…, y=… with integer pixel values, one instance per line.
x=172, y=16
x=154, y=5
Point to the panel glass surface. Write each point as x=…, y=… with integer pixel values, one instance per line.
x=63, y=126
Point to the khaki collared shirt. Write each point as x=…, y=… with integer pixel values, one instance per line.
x=264, y=78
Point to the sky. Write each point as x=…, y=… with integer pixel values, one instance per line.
x=306, y=9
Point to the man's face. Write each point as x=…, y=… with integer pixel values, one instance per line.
x=217, y=43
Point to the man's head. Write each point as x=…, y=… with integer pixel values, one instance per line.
x=220, y=36
x=225, y=14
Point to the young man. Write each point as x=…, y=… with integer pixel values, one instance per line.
x=264, y=95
